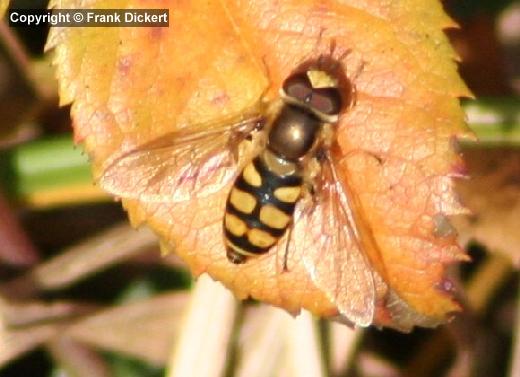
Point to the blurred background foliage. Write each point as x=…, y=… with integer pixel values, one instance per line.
x=82, y=294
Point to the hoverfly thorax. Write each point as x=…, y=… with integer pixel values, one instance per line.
x=312, y=98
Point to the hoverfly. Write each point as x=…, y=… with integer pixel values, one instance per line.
x=286, y=180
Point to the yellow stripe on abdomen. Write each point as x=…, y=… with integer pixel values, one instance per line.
x=288, y=194
x=242, y=201
x=273, y=217
x=251, y=175
x=260, y=238
x=236, y=226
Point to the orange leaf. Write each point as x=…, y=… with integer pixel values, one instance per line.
x=218, y=60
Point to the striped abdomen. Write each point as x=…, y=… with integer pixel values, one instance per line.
x=259, y=210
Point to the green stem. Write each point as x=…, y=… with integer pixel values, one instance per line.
x=495, y=121
x=42, y=165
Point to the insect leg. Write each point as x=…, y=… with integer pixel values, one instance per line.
x=249, y=134
x=286, y=252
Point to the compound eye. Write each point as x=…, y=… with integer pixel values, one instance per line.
x=298, y=87
x=326, y=101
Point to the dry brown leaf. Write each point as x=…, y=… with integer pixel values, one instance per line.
x=19, y=315
x=271, y=343
x=14, y=343
x=76, y=359
x=27, y=326
x=493, y=197
x=261, y=342
x=144, y=329
x=112, y=246
x=205, y=332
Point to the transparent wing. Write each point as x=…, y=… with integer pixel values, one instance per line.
x=332, y=251
x=180, y=165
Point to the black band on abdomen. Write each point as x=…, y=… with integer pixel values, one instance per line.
x=243, y=243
